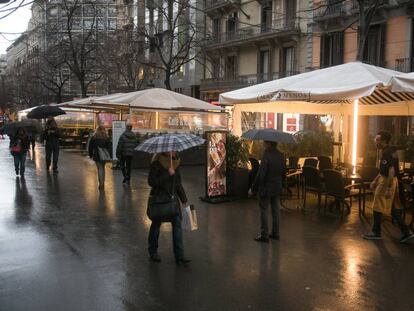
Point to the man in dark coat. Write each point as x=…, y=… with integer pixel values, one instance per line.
x=125, y=151
x=268, y=185
x=51, y=135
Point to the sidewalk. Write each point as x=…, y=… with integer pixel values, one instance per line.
x=64, y=246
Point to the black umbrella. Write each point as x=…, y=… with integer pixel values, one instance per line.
x=44, y=111
x=29, y=125
x=269, y=135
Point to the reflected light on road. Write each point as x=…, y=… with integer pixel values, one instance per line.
x=351, y=273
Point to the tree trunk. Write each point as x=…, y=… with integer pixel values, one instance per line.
x=167, y=81
x=362, y=31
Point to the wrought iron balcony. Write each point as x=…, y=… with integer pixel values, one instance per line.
x=331, y=9
x=224, y=84
x=404, y=64
x=279, y=27
x=217, y=5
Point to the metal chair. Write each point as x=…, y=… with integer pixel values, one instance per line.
x=313, y=184
x=337, y=188
x=311, y=162
x=325, y=163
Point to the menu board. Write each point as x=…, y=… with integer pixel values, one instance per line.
x=216, y=164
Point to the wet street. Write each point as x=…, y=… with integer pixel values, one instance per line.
x=65, y=246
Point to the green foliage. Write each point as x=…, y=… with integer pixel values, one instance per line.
x=309, y=144
x=236, y=152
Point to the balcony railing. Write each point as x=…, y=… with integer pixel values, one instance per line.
x=217, y=4
x=281, y=25
x=242, y=80
x=340, y=8
x=404, y=64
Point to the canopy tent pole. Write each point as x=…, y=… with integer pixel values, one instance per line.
x=355, y=136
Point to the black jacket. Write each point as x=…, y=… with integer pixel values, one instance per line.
x=51, y=135
x=161, y=182
x=126, y=144
x=271, y=173
x=94, y=144
x=23, y=141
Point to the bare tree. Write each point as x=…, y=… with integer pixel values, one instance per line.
x=124, y=69
x=81, y=41
x=367, y=10
x=172, y=37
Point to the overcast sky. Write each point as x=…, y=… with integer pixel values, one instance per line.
x=14, y=23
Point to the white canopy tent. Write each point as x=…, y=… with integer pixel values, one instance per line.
x=155, y=99
x=342, y=91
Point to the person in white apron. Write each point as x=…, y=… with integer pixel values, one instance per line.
x=386, y=198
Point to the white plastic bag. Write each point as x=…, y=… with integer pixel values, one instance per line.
x=189, y=218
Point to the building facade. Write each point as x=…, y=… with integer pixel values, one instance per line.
x=250, y=42
x=45, y=43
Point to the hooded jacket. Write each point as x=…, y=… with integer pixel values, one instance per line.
x=126, y=144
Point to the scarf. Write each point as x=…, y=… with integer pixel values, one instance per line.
x=166, y=161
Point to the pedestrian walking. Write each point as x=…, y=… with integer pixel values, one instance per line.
x=385, y=186
x=51, y=135
x=19, y=145
x=32, y=139
x=165, y=180
x=100, y=150
x=268, y=186
x=125, y=151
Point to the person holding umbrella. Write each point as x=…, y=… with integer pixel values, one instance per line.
x=51, y=135
x=165, y=181
x=19, y=145
x=269, y=180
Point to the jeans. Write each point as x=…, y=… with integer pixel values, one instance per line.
x=274, y=202
x=126, y=167
x=52, y=150
x=19, y=162
x=154, y=233
x=101, y=172
x=396, y=214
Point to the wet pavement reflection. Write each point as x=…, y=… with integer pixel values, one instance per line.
x=66, y=246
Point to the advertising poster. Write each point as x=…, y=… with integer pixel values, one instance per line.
x=118, y=127
x=216, y=164
x=290, y=123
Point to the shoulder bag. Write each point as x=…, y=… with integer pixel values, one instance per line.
x=163, y=208
x=104, y=155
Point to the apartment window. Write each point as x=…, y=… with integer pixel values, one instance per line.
x=231, y=25
x=112, y=24
x=216, y=27
x=263, y=66
x=290, y=6
x=288, y=61
x=266, y=16
x=374, y=50
x=332, y=49
x=215, y=62
x=231, y=69
x=112, y=11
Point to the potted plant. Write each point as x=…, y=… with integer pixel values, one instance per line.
x=237, y=172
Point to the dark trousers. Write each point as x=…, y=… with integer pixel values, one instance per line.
x=19, y=162
x=52, y=150
x=177, y=235
x=126, y=167
x=274, y=202
x=397, y=215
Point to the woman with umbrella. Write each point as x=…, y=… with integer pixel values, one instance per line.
x=19, y=145
x=165, y=181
